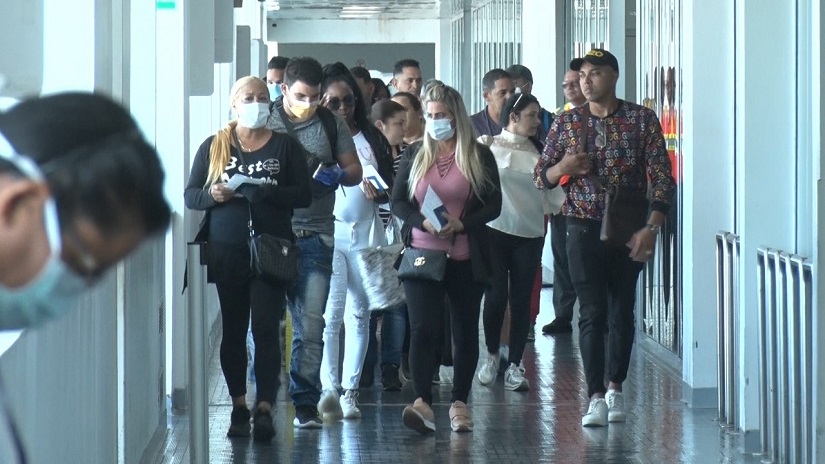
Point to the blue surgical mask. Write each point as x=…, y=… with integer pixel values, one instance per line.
x=440, y=129
x=274, y=91
x=56, y=288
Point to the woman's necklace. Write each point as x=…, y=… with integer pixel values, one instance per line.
x=243, y=147
x=444, y=163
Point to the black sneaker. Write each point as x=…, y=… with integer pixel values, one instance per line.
x=306, y=417
x=264, y=429
x=558, y=326
x=389, y=378
x=239, y=422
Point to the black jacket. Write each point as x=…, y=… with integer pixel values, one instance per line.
x=479, y=211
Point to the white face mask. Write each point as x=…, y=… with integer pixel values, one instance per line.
x=252, y=115
x=51, y=294
x=440, y=129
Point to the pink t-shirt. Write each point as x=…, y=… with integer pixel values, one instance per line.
x=453, y=189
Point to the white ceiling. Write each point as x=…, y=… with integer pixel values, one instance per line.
x=366, y=9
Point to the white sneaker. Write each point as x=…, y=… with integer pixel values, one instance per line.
x=349, y=405
x=489, y=370
x=514, y=379
x=596, y=414
x=615, y=406
x=329, y=407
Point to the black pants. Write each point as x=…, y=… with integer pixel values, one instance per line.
x=426, y=308
x=239, y=294
x=605, y=281
x=515, y=260
x=564, y=295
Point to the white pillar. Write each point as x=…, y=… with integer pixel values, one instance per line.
x=543, y=32
x=616, y=36
x=708, y=154
x=765, y=167
x=172, y=140
x=818, y=209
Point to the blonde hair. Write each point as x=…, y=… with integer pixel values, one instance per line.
x=466, y=154
x=220, y=149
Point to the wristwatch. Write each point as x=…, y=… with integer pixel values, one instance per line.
x=655, y=228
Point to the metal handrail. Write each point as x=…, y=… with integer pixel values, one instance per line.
x=197, y=349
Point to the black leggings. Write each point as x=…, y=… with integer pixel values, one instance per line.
x=426, y=307
x=239, y=294
x=515, y=260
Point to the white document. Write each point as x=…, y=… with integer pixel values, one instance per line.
x=239, y=179
x=432, y=208
x=371, y=174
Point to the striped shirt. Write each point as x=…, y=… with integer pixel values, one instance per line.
x=633, y=153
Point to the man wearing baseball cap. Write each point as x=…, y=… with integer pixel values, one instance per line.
x=622, y=149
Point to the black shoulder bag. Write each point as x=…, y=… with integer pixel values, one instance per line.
x=271, y=258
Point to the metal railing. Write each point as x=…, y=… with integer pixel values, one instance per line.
x=785, y=307
x=727, y=309
x=197, y=350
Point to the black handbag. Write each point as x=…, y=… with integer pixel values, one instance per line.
x=271, y=258
x=421, y=264
x=625, y=212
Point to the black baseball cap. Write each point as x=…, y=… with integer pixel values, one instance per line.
x=598, y=57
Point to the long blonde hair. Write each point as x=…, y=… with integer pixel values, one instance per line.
x=466, y=154
x=220, y=149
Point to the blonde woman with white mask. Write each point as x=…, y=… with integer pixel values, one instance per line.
x=280, y=176
x=516, y=237
x=463, y=174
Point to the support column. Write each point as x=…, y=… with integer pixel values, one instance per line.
x=708, y=154
x=766, y=181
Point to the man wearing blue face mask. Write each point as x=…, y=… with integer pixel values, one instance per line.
x=275, y=76
x=71, y=206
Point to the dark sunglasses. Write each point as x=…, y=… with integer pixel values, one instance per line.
x=335, y=103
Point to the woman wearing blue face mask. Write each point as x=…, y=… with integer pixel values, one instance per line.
x=73, y=204
x=464, y=176
x=279, y=182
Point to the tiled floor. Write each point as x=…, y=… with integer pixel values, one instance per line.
x=542, y=425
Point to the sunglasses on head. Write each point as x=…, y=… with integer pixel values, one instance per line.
x=516, y=103
x=335, y=103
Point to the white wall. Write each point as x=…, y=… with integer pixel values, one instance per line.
x=708, y=179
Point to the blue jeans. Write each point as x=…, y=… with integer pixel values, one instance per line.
x=393, y=331
x=307, y=299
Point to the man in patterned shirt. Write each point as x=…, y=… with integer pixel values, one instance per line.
x=624, y=149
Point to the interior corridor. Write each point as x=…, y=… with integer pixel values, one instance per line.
x=541, y=425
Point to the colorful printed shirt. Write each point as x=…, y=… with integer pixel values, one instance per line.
x=634, y=153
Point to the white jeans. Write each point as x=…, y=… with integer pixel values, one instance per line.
x=346, y=304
